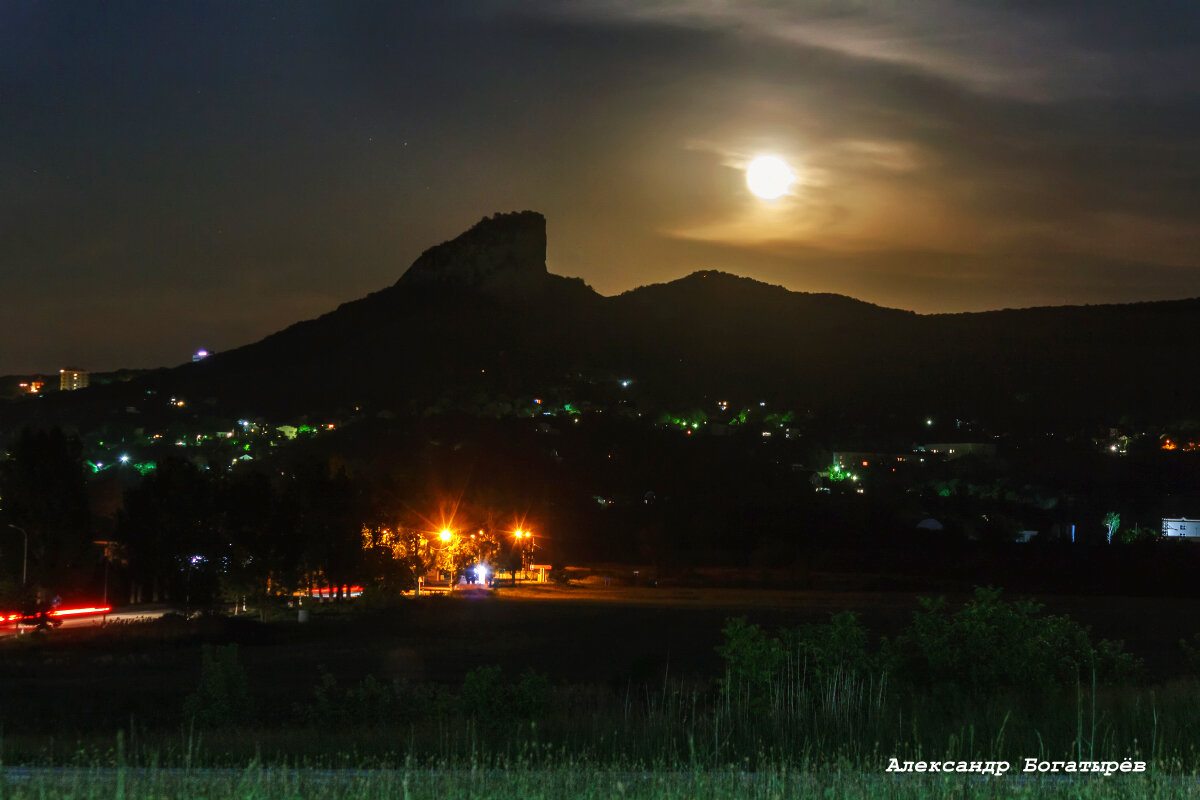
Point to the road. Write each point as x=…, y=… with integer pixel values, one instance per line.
x=141, y=614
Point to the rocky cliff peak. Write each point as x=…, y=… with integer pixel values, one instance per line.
x=502, y=252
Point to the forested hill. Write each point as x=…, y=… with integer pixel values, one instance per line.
x=480, y=317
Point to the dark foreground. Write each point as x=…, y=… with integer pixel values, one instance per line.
x=583, y=691
x=566, y=781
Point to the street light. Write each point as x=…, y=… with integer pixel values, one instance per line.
x=25, y=557
x=524, y=541
x=444, y=552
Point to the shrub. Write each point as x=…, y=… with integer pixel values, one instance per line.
x=986, y=646
x=753, y=662
x=483, y=693
x=531, y=695
x=222, y=697
x=839, y=646
x=990, y=644
x=486, y=695
x=1191, y=654
x=371, y=702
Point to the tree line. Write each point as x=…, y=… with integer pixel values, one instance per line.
x=184, y=533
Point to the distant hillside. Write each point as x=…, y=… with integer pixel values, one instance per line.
x=481, y=317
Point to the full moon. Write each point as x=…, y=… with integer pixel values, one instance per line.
x=769, y=177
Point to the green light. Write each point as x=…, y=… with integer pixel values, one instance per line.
x=780, y=419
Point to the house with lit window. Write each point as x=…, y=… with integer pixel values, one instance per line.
x=952, y=450
x=1181, y=528
x=857, y=459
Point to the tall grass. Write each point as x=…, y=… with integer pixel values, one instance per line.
x=816, y=701
x=830, y=735
x=839, y=720
x=574, y=779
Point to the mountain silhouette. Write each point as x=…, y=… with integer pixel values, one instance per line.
x=480, y=317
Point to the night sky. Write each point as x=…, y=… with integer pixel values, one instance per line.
x=178, y=175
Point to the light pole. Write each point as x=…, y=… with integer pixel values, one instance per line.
x=109, y=547
x=524, y=544
x=25, y=557
x=446, y=553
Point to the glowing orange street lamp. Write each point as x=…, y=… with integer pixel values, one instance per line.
x=446, y=536
x=523, y=538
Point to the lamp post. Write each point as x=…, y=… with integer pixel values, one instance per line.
x=445, y=552
x=108, y=546
x=525, y=544
x=25, y=557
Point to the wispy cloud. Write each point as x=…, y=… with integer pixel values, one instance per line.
x=980, y=46
x=1032, y=51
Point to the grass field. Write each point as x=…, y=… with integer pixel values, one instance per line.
x=562, y=693
x=566, y=782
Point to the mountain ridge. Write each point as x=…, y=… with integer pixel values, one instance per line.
x=482, y=315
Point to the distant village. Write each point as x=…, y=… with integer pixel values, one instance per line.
x=128, y=447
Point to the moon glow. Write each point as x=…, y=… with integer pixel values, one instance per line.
x=769, y=177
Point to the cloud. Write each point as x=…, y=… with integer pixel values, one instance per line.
x=1032, y=51
x=990, y=130
x=173, y=152
x=976, y=45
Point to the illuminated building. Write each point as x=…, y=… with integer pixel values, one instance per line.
x=71, y=379
x=853, y=459
x=31, y=387
x=959, y=449
x=1181, y=528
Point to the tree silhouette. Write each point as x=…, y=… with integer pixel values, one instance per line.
x=43, y=492
x=170, y=524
